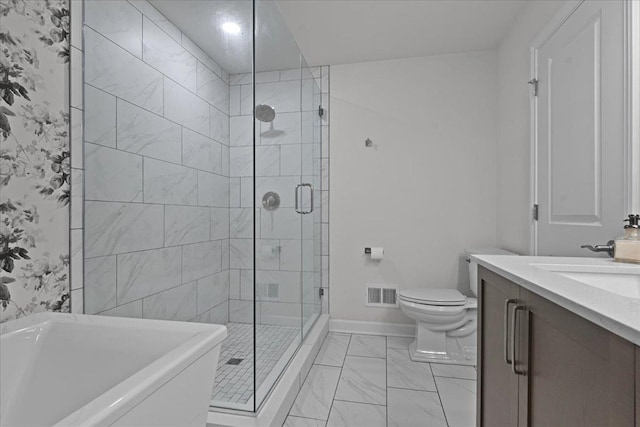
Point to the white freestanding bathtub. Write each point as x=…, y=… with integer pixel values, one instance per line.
x=78, y=370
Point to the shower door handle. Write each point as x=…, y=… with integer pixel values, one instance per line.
x=311, y=188
x=297, y=207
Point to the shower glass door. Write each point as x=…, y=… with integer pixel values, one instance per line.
x=286, y=208
x=310, y=198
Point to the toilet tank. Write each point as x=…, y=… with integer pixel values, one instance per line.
x=473, y=266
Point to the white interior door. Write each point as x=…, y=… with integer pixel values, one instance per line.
x=580, y=131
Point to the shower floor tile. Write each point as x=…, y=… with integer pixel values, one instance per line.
x=234, y=381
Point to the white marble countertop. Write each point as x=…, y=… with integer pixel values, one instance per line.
x=611, y=310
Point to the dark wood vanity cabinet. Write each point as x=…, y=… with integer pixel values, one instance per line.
x=637, y=386
x=497, y=385
x=554, y=369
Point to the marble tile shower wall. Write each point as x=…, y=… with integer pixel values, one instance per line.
x=156, y=144
x=286, y=153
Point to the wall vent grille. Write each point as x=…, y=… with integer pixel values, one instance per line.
x=374, y=295
x=389, y=296
x=379, y=295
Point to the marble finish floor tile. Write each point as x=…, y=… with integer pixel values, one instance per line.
x=458, y=400
x=367, y=346
x=349, y=414
x=402, y=372
x=409, y=408
x=387, y=390
x=453, y=371
x=399, y=342
x=363, y=380
x=292, y=421
x=315, y=396
x=333, y=350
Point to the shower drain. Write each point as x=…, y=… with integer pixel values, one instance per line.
x=234, y=361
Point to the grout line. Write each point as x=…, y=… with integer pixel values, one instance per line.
x=366, y=357
x=360, y=403
x=157, y=70
x=160, y=116
x=142, y=16
x=182, y=128
x=455, y=378
x=411, y=389
x=141, y=299
x=155, y=203
x=439, y=397
x=333, y=398
x=386, y=379
x=306, y=418
x=340, y=377
x=116, y=272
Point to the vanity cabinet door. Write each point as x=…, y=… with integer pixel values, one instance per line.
x=498, y=386
x=577, y=373
x=637, y=386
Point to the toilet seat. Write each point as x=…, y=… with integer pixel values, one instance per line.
x=437, y=297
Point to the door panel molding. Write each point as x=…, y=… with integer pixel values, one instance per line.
x=587, y=210
x=631, y=131
x=632, y=103
x=565, y=11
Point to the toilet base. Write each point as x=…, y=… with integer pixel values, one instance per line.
x=466, y=357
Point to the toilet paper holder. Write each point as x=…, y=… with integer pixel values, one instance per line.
x=367, y=251
x=376, y=254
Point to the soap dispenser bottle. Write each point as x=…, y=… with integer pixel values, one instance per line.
x=627, y=247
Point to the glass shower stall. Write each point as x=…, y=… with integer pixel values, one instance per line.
x=202, y=175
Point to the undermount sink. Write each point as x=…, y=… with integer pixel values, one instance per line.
x=69, y=370
x=619, y=279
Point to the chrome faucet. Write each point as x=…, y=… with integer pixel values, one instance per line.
x=608, y=248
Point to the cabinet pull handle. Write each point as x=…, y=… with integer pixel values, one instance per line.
x=507, y=303
x=514, y=339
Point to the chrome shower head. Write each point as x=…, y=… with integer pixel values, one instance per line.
x=265, y=113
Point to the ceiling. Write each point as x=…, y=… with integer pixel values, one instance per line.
x=333, y=32
x=201, y=21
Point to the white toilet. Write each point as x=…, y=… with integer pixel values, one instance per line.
x=446, y=319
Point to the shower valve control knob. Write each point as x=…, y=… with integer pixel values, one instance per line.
x=271, y=201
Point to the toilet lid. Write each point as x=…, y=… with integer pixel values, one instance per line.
x=433, y=296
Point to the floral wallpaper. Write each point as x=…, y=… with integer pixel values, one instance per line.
x=34, y=157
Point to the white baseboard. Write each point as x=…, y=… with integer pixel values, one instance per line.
x=372, y=328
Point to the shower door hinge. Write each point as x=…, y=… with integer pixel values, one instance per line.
x=534, y=83
x=320, y=111
x=321, y=292
x=535, y=212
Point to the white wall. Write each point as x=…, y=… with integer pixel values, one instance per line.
x=513, y=208
x=426, y=191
